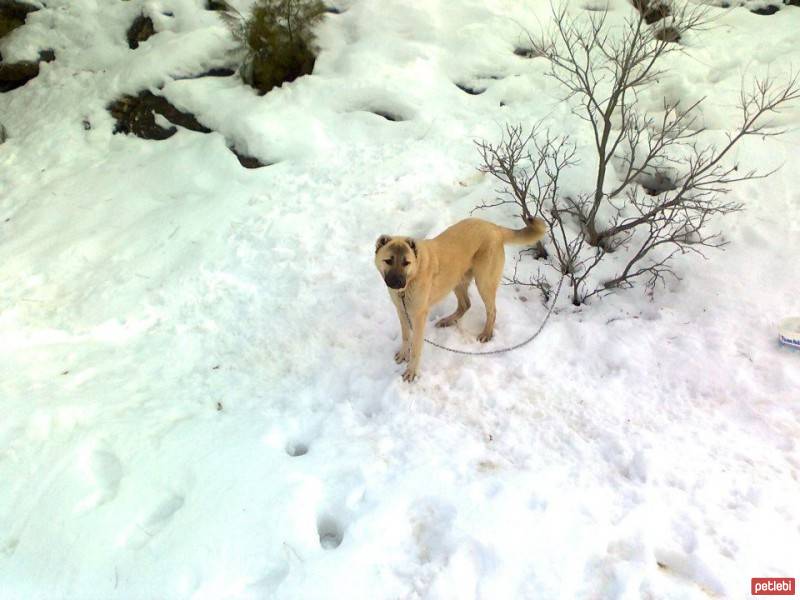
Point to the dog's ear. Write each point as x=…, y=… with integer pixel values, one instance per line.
x=412, y=244
x=382, y=241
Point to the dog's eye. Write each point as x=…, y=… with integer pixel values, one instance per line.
x=406, y=263
x=388, y=261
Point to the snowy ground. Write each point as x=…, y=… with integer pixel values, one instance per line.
x=196, y=376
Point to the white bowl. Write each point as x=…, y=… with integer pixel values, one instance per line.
x=789, y=332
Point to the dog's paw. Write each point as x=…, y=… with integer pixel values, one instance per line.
x=446, y=322
x=410, y=374
x=485, y=337
x=401, y=356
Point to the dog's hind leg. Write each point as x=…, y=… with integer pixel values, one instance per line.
x=462, y=295
x=487, y=277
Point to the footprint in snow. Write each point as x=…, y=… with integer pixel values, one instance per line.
x=296, y=449
x=688, y=567
x=103, y=471
x=9, y=547
x=152, y=521
x=330, y=531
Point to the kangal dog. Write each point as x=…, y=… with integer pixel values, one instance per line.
x=420, y=273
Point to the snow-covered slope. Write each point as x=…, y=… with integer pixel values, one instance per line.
x=196, y=377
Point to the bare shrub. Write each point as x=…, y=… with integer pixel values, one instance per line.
x=668, y=185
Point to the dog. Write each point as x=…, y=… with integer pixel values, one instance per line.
x=420, y=273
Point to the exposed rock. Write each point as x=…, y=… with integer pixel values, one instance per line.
x=656, y=12
x=667, y=34
x=652, y=10
x=248, y=162
x=472, y=91
x=656, y=183
x=216, y=5
x=770, y=9
x=526, y=52
x=140, y=30
x=137, y=115
x=218, y=72
x=14, y=75
x=214, y=72
x=13, y=14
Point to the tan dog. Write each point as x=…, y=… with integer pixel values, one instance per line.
x=423, y=272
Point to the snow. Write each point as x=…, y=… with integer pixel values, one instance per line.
x=196, y=363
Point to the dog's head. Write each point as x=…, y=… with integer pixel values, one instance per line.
x=396, y=260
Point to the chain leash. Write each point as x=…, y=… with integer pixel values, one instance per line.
x=488, y=352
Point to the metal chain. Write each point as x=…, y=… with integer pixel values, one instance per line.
x=488, y=352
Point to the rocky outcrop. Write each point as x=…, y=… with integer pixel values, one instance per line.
x=140, y=30
x=13, y=14
x=14, y=75
x=137, y=115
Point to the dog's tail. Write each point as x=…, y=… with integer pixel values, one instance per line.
x=535, y=230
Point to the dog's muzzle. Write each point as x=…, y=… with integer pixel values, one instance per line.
x=395, y=281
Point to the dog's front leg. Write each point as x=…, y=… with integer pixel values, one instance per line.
x=405, y=350
x=418, y=320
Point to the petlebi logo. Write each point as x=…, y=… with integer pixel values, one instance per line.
x=772, y=586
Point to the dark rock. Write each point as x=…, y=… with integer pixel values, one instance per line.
x=248, y=162
x=14, y=75
x=218, y=72
x=656, y=12
x=137, y=115
x=526, y=52
x=472, y=91
x=667, y=34
x=140, y=30
x=652, y=10
x=766, y=11
x=216, y=5
x=13, y=14
x=215, y=72
x=656, y=183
